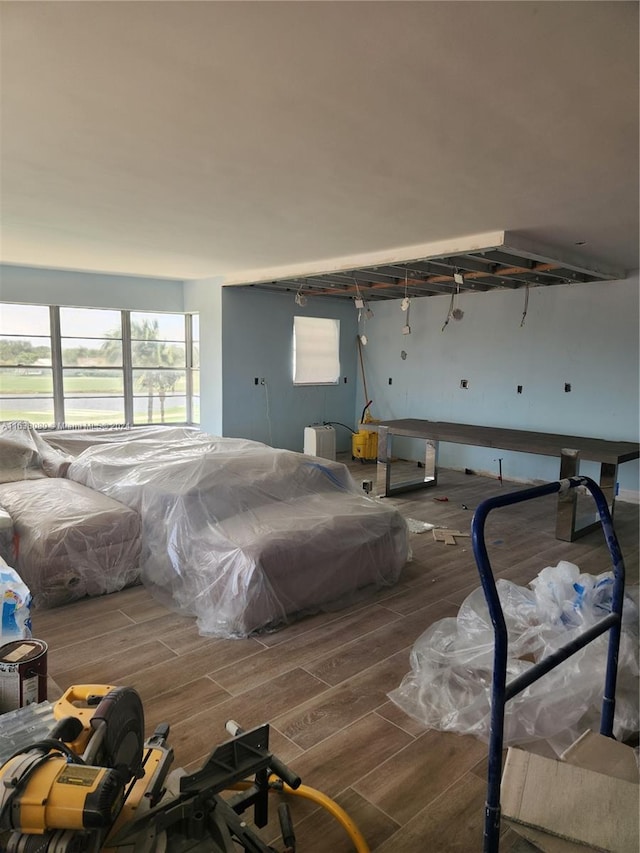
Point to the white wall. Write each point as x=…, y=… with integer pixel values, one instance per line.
x=583, y=334
x=205, y=298
x=39, y=286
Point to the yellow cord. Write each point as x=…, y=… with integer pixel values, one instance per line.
x=321, y=799
x=334, y=809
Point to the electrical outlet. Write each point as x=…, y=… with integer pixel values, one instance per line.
x=263, y=381
x=519, y=389
x=567, y=387
x=464, y=383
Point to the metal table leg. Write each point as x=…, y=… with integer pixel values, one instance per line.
x=384, y=486
x=566, y=515
x=567, y=501
x=383, y=467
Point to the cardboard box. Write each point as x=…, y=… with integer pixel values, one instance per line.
x=604, y=755
x=589, y=799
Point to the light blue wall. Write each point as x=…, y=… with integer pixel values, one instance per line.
x=41, y=286
x=586, y=335
x=204, y=297
x=257, y=334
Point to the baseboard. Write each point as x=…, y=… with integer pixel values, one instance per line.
x=518, y=481
x=625, y=495
x=629, y=496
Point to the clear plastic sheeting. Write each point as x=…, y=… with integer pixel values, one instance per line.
x=25, y=455
x=417, y=526
x=241, y=535
x=70, y=541
x=71, y=442
x=22, y=727
x=449, y=686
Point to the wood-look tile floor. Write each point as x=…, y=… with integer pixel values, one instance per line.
x=322, y=682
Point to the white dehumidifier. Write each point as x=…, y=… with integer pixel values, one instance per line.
x=320, y=440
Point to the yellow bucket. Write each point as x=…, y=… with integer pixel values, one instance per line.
x=364, y=444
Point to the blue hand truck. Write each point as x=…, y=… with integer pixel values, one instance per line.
x=501, y=692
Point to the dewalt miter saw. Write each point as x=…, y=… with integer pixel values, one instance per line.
x=94, y=784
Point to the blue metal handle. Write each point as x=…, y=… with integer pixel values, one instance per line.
x=501, y=692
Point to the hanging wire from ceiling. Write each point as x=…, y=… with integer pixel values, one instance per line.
x=449, y=312
x=526, y=305
x=454, y=312
x=457, y=312
x=300, y=298
x=364, y=312
x=405, y=305
x=358, y=301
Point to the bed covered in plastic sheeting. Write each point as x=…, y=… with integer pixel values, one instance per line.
x=65, y=540
x=241, y=535
x=70, y=541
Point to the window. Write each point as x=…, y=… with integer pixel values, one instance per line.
x=92, y=367
x=158, y=360
x=316, y=351
x=194, y=368
x=26, y=373
x=88, y=366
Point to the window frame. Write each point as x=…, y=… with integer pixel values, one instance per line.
x=127, y=368
x=35, y=333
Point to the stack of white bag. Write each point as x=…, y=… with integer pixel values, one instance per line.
x=15, y=601
x=449, y=687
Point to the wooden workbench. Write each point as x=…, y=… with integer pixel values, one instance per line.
x=570, y=449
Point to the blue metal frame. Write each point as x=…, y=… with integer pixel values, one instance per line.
x=501, y=691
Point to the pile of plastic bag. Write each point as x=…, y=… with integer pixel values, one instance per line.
x=15, y=601
x=449, y=686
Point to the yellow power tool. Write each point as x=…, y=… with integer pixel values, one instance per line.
x=94, y=785
x=63, y=793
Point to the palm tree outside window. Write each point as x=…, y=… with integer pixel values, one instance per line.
x=158, y=369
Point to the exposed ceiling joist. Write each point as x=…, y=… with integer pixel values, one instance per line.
x=508, y=263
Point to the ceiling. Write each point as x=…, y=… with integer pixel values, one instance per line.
x=265, y=141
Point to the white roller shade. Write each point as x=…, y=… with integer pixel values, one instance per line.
x=316, y=351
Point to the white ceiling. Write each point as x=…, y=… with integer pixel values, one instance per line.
x=193, y=139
